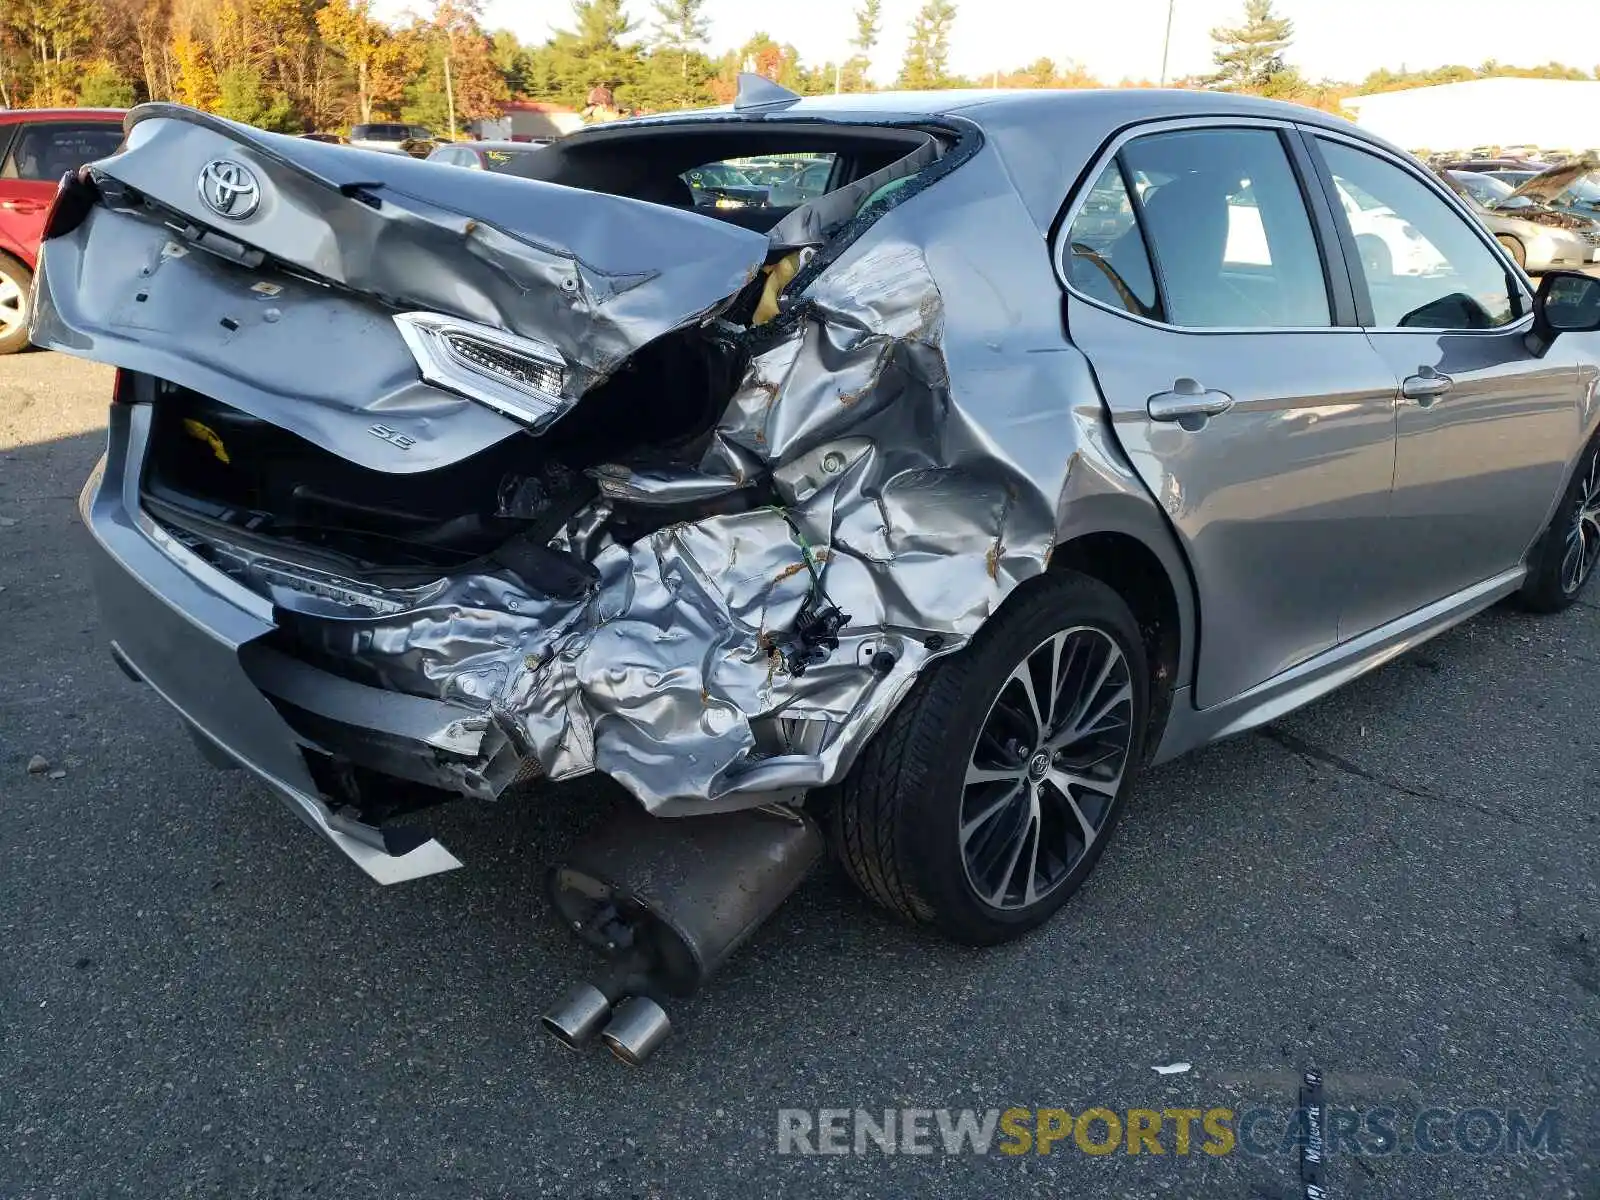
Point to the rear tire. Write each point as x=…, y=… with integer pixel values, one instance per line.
x=966, y=815
x=15, y=280
x=1564, y=558
x=1515, y=249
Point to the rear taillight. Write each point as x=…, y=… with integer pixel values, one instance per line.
x=75, y=196
x=121, y=388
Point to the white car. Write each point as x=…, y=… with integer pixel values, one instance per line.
x=1388, y=244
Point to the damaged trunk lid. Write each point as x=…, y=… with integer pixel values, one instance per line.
x=248, y=266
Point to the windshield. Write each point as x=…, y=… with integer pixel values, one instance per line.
x=381, y=133
x=1583, y=190
x=718, y=175
x=1489, y=191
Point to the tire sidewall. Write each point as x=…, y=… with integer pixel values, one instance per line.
x=931, y=848
x=1542, y=591
x=1514, y=248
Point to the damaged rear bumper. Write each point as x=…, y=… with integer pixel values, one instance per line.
x=195, y=636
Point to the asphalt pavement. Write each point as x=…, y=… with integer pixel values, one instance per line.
x=1396, y=886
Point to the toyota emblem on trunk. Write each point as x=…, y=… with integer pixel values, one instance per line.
x=229, y=189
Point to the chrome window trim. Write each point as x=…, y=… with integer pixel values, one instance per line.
x=1481, y=231
x=1097, y=168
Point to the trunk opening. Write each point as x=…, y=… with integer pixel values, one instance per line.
x=221, y=475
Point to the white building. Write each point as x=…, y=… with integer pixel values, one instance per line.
x=1555, y=114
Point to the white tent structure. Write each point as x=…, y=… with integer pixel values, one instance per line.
x=1555, y=114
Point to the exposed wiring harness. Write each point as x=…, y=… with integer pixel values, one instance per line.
x=816, y=628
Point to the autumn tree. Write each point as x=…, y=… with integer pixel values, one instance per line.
x=926, y=64
x=102, y=86
x=50, y=35
x=1249, y=55
x=381, y=59
x=458, y=78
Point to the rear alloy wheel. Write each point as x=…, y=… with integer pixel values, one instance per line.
x=15, y=281
x=1515, y=249
x=991, y=791
x=1564, y=559
x=1045, y=768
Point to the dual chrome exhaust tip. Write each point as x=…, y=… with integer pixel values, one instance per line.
x=632, y=1029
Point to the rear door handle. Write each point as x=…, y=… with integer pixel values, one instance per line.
x=21, y=206
x=1187, y=399
x=1426, y=386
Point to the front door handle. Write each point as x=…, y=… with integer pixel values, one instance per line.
x=21, y=206
x=1187, y=399
x=1426, y=386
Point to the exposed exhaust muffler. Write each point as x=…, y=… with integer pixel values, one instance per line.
x=667, y=902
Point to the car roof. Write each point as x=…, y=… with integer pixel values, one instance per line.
x=1046, y=136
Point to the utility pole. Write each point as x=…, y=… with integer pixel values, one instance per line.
x=449, y=95
x=838, y=78
x=1166, y=44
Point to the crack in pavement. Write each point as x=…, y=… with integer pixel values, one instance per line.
x=1316, y=754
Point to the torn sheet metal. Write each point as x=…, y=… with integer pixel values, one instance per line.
x=670, y=676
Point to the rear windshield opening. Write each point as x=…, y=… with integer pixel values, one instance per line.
x=745, y=175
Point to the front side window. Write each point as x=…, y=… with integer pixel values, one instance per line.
x=1425, y=266
x=46, y=152
x=1228, y=229
x=1105, y=256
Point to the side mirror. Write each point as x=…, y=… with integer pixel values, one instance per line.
x=1567, y=302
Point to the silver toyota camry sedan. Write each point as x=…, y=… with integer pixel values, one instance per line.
x=1049, y=435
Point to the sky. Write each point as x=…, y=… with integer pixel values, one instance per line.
x=1340, y=39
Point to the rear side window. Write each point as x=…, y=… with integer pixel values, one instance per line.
x=1106, y=256
x=46, y=152
x=1228, y=229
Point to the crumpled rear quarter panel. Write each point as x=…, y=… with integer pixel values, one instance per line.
x=927, y=427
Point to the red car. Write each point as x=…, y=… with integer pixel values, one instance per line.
x=37, y=147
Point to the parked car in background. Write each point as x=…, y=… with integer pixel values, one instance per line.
x=37, y=147
x=723, y=185
x=388, y=136
x=420, y=147
x=1539, y=238
x=1572, y=187
x=483, y=156
x=1389, y=244
x=332, y=139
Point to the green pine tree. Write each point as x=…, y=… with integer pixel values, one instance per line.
x=1249, y=55
x=927, y=60
x=869, y=24
x=682, y=28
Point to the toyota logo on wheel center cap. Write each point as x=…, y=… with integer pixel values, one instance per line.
x=229, y=189
x=1039, y=767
